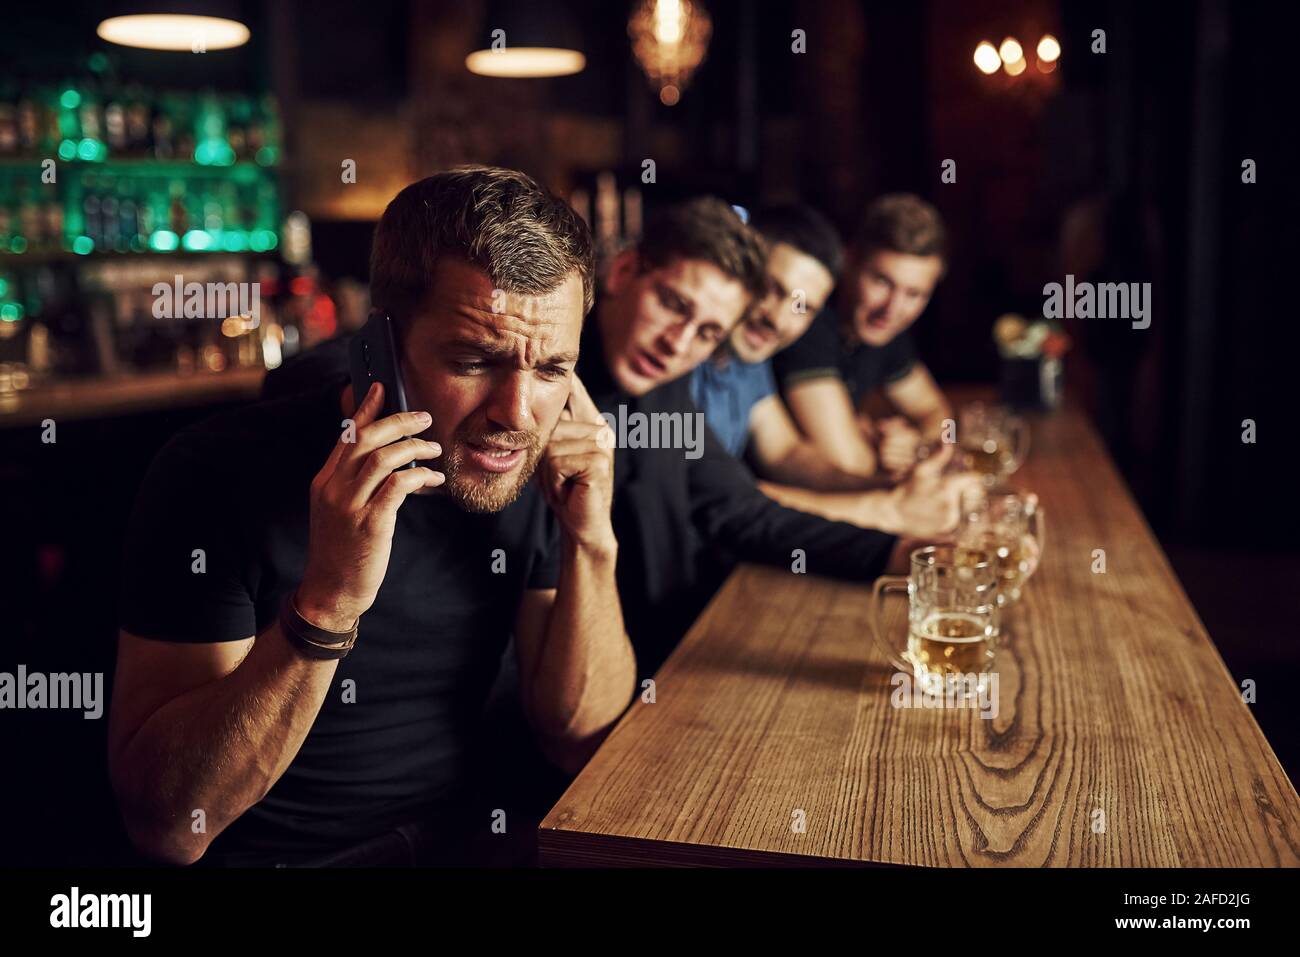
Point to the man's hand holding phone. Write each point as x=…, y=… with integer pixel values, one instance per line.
x=577, y=472
x=354, y=502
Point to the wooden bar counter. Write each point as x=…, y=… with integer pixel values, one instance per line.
x=1121, y=740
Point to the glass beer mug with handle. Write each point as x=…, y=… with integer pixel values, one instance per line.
x=993, y=440
x=952, y=617
x=1009, y=525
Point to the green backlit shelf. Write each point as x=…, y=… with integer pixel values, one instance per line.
x=124, y=206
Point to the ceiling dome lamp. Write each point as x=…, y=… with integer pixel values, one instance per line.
x=182, y=25
x=528, y=40
x=669, y=40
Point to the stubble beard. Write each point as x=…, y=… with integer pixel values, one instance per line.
x=480, y=491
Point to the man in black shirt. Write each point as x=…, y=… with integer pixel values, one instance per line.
x=307, y=638
x=861, y=343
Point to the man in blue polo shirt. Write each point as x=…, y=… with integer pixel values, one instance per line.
x=736, y=388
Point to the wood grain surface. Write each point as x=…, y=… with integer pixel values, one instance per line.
x=1120, y=740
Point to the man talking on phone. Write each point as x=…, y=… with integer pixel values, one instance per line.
x=309, y=627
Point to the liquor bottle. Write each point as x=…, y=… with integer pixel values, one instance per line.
x=138, y=140
x=231, y=221
x=92, y=225
x=6, y=221
x=182, y=112
x=91, y=146
x=51, y=133
x=29, y=217
x=256, y=130
x=109, y=224
x=211, y=147
x=29, y=125
x=154, y=212
x=38, y=350
x=268, y=215
x=115, y=134
x=164, y=141
x=53, y=217
x=264, y=134
x=127, y=222
x=69, y=122
x=213, y=216
x=176, y=214
x=247, y=205
x=8, y=123
x=196, y=211
x=238, y=115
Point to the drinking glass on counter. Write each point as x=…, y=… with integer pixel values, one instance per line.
x=1009, y=525
x=952, y=615
x=993, y=440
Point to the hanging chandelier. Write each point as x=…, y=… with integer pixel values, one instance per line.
x=669, y=40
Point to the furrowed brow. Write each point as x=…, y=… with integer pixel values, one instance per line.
x=485, y=347
x=559, y=358
x=498, y=350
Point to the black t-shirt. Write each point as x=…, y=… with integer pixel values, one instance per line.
x=236, y=486
x=683, y=522
x=822, y=352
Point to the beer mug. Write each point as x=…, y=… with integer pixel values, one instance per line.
x=952, y=616
x=993, y=440
x=1009, y=526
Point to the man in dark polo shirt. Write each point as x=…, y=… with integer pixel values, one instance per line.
x=860, y=343
x=307, y=637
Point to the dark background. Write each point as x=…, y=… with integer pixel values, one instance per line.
x=1126, y=164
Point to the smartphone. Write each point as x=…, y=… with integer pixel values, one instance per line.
x=372, y=356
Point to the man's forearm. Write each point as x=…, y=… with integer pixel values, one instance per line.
x=219, y=747
x=586, y=671
x=931, y=426
x=807, y=467
x=868, y=509
x=850, y=452
x=927, y=416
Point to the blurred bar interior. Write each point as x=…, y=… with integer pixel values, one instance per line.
x=225, y=164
